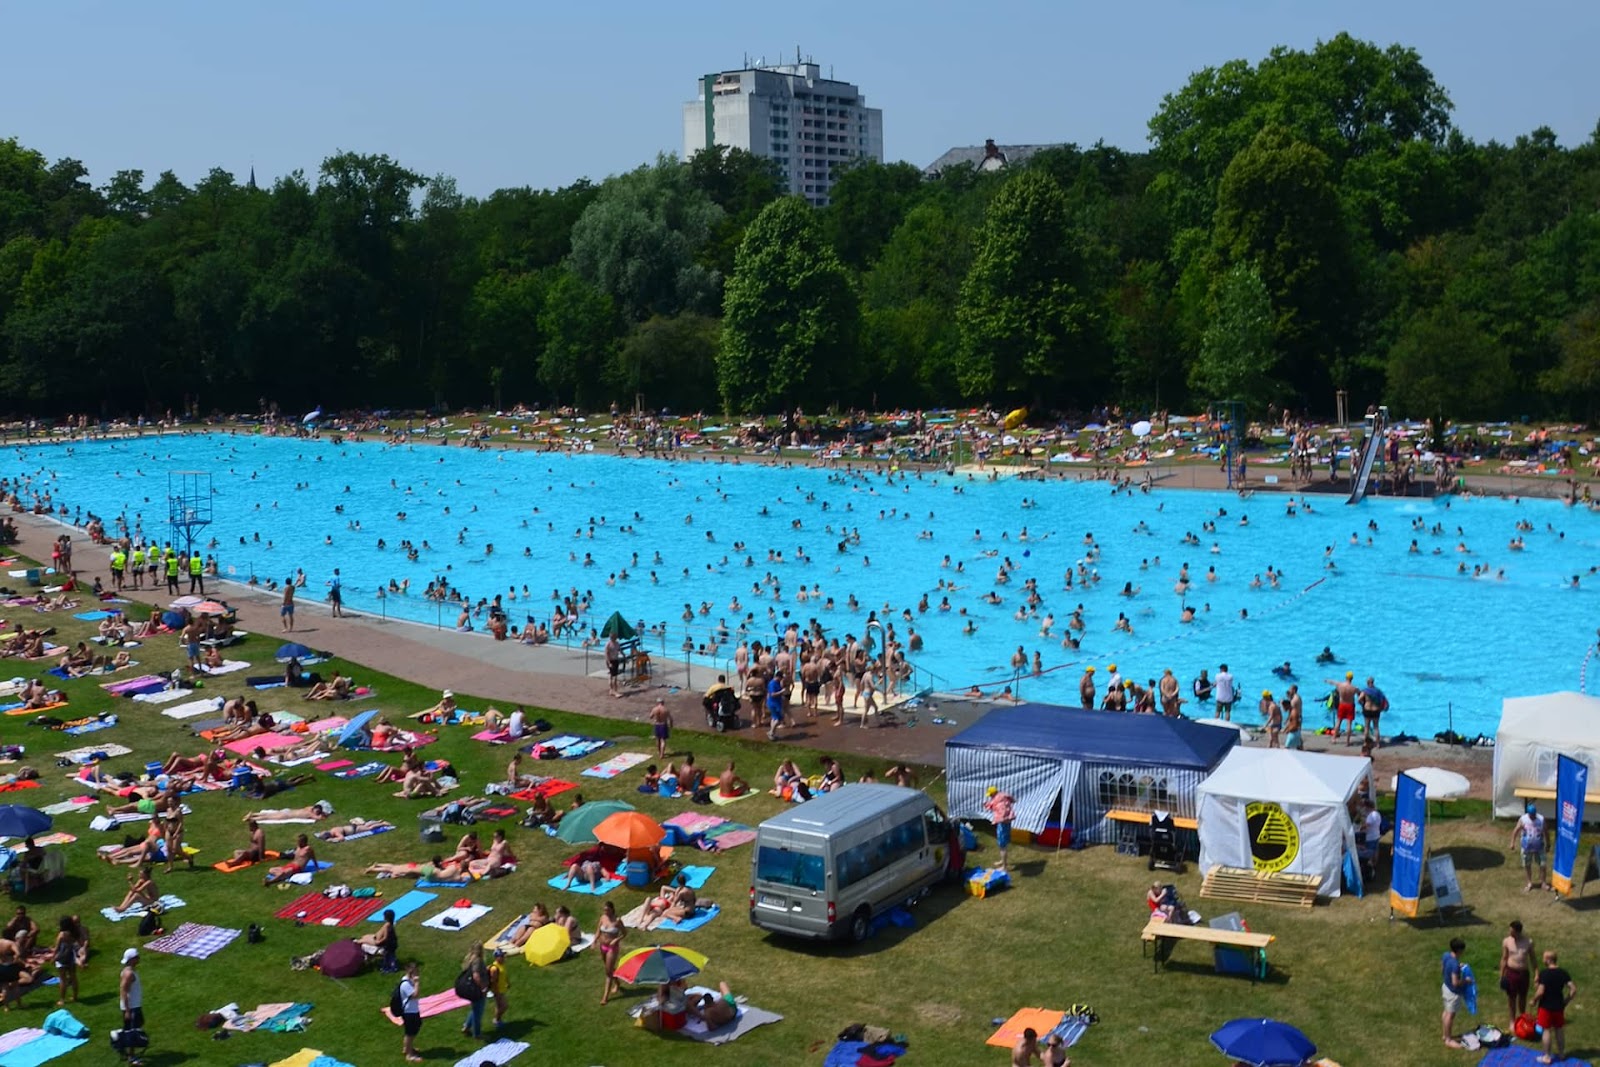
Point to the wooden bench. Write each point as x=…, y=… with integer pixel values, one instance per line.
x=1260, y=887
x=1166, y=934
x=1532, y=793
x=1142, y=818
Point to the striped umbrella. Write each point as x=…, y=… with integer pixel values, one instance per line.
x=658, y=964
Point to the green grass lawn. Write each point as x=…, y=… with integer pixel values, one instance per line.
x=1364, y=987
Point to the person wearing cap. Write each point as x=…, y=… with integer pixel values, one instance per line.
x=1113, y=679
x=130, y=994
x=1344, y=701
x=1086, y=688
x=1002, y=809
x=499, y=983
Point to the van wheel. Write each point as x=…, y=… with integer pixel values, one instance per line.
x=861, y=924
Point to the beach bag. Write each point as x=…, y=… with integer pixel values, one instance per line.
x=150, y=921
x=130, y=1039
x=254, y=935
x=397, y=1002
x=1525, y=1028
x=61, y=1022
x=467, y=987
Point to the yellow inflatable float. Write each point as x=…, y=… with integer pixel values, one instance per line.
x=1016, y=418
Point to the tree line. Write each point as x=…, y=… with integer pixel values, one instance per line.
x=1304, y=224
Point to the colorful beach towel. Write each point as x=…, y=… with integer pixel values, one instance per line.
x=166, y=696
x=270, y=742
x=607, y=884
x=245, y=1021
x=40, y=1050
x=363, y=771
x=748, y=1019
x=66, y=807
x=431, y=1005
x=547, y=789
x=90, y=753
x=635, y=919
x=167, y=902
x=614, y=766
x=313, y=908
x=195, y=940
x=500, y=1052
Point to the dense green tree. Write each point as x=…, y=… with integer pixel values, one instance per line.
x=580, y=326
x=789, y=316
x=1023, y=319
x=668, y=363
x=1238, y=359
x=867, y=202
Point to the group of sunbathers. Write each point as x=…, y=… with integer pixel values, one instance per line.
x=469, y=861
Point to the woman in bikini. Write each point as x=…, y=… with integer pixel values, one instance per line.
x=536, y=918
x=497, y=861
x=141, y=890
x=608, y=934
x=435, y=870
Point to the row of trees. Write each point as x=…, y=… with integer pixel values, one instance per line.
x=1303, y=224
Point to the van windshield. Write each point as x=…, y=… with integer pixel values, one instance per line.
x=796, y=869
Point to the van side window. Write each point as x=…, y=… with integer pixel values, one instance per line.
x=904, y=839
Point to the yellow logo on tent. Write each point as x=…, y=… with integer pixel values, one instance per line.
x=1274, y=838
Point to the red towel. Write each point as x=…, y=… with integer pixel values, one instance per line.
x=9, y=787
x=547, y=789
x=348, y=910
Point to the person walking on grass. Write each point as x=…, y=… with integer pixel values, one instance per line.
x=661, y=726
x=1529, y=835
x=130, y=996
x=66, y=959
x=1454, y=989
x=499, y=985
x=473, y=987
x=1552, y=995
x=411, y=1011
x=1002, y=811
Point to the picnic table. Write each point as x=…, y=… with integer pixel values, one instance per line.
x=1164, y=935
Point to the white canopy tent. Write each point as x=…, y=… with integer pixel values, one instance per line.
x=1533, y=731
x=1281, y=810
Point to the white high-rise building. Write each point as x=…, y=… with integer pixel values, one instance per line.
x=807, y=124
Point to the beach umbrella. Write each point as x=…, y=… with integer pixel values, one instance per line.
x=19, y=820
x=658, y=964
x=629, y=830
x=312, y=416
x=342, y=959
x=618, y=627
x=356, y=727
x=546, y=945
x=1438, y=783
x=186, y=602
x=293, y=650
x=577, y=827
x=173, y=620
x=1141, y=428
x=1263, y=1043
x=210, y=607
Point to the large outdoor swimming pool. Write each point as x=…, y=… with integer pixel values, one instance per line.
x=1431, y=636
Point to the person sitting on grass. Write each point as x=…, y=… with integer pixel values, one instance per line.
x=317, y=744
x=409, y=763
x=147, y=850
x=568, y=922
x=336, y=688
x=715, y=1009
x=256, y=851
x=302, y=859
x=355, y=827
x=22, y=931
x=438, y=869
x=208, y=763
x=592, y=865
x=730, y=784
x=497, y=861
x=676, y=904
x=539, y=916
x=420, y=783
x=141, y=890
x=541, y=813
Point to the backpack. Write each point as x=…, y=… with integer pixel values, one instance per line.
x=254, y=934
x=397, y=1002
x=149, y=923
x=467, y=987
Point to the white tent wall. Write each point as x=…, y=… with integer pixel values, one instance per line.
x=1325, y=835
x=1533, y=732
x=1312, y=789
x=1035, y=782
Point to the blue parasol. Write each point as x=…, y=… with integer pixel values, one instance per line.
x=356, y=727
x=293, y=650
x=313, y=416
x=1263, y=1043
x=19, y=820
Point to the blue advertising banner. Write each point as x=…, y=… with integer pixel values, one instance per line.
x=1572, y=784
x=1410, y=845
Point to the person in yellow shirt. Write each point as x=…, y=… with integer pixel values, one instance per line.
x=499, y=983
x=137, y=570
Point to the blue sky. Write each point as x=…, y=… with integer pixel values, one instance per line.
x=534, y=93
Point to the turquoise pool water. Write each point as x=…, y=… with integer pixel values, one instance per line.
x=1431, y=636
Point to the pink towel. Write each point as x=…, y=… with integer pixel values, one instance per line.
x=437, y=1004
x=269, y=742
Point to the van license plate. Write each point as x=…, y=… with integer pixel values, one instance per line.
x=771, y=901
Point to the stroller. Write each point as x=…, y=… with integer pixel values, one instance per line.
x=722, y=709
x=1164, y=850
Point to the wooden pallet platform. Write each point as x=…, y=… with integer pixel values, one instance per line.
x=1260, y=887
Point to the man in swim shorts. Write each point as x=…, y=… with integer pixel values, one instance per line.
x=1344, y=705
x=661, y=723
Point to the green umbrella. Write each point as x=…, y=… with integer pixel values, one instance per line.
x=618, y=627
x=577, y=827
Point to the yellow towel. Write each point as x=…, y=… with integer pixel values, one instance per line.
x=302, y=1058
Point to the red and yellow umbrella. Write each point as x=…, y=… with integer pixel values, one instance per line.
x=658, y=964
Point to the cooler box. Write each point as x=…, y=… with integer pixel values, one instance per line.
x=636, y=873
x=1231, y=960
x=983, y=881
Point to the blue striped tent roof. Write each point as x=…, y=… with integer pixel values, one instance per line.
x=1098, y=736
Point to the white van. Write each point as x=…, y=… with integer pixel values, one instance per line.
x=825, y=868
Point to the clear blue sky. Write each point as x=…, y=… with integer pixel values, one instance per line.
x=541, y=93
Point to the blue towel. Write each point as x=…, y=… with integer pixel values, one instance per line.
x=93, y=616
x=695, y=877
x=844, y=1054
x=684, y=926
x=1469, y=996
x=429, y=883
x=404, y=905
x=577, y=886
x=1516, y=1056
x=41, y=1050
